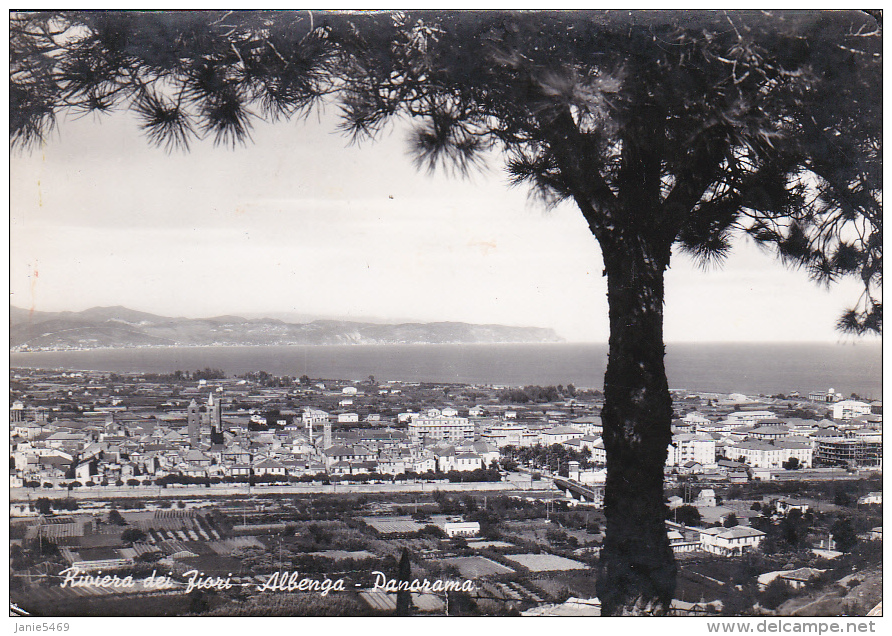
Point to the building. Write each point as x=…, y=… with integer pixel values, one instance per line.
x=786, y=506
x=461, y=528
x=821, y=396
x=434, y=427
x=706, y=498
x=750, y=418
x=730, y=541
x=510, y=435
x=215, y=414
x=348, y=454
x=848, y=451
x=696, y=421
x=687, y=447
x=871, y=499
x=797, y=579
x=760, y=454
x=448, y=459
x=310, y=417
x=269, y=467
x=193, y=422
x=849, y=409
x=769, y=433
x=559, y=435
x=590, y=424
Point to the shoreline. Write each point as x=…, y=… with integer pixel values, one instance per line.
x=746, y=368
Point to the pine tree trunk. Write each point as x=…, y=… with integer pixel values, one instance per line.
x=404, y=597
x=637, y=570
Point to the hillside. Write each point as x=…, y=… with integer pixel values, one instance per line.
x=120, y=327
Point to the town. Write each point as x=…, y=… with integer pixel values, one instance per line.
x=494, y=493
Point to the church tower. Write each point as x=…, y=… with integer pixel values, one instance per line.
x=193, y=420
x=215, y=414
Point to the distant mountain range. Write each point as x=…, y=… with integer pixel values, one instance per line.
x=119, y=327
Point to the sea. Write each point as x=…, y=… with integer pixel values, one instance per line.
x=747, y=368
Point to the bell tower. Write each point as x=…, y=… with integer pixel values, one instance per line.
x=193, y=421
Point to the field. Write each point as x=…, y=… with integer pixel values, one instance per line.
x=545, y=562
x=338, y=536
x=476, y=566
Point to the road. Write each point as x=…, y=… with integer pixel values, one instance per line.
x=228, y=490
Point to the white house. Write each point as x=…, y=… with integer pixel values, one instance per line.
x=559, y=435
x=461, y=528
x=706, y=498
x=599, y=452
x=424, y=464
x=487, y=452
x=871, y=498
x=796, y=579
x=730, y=541
x=270, y=467
x=450, y=460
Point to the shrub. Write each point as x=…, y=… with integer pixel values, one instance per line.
x=133, y=535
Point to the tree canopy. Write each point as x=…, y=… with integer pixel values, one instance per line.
x=667, y=129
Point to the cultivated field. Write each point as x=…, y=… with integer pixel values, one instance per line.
x=545, y=562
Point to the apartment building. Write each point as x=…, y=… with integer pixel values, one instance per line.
x=434, y=427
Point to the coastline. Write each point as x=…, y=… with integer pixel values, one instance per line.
x=747, y=368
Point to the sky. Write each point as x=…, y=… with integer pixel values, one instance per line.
x=301, y=222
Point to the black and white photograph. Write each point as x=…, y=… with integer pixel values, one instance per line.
x=438, y=313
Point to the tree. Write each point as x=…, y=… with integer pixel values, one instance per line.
x=116, y=518
x=666, y=129
x=133, y=535
x=730, y=521
x=44, y=505
x=843, y=534
x=687, y=515
x=841, y=497
x=794, y=529
x=791, y=464
x=775, y=593
x=404, y=597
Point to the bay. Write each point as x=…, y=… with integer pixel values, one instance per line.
x=748, y=368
